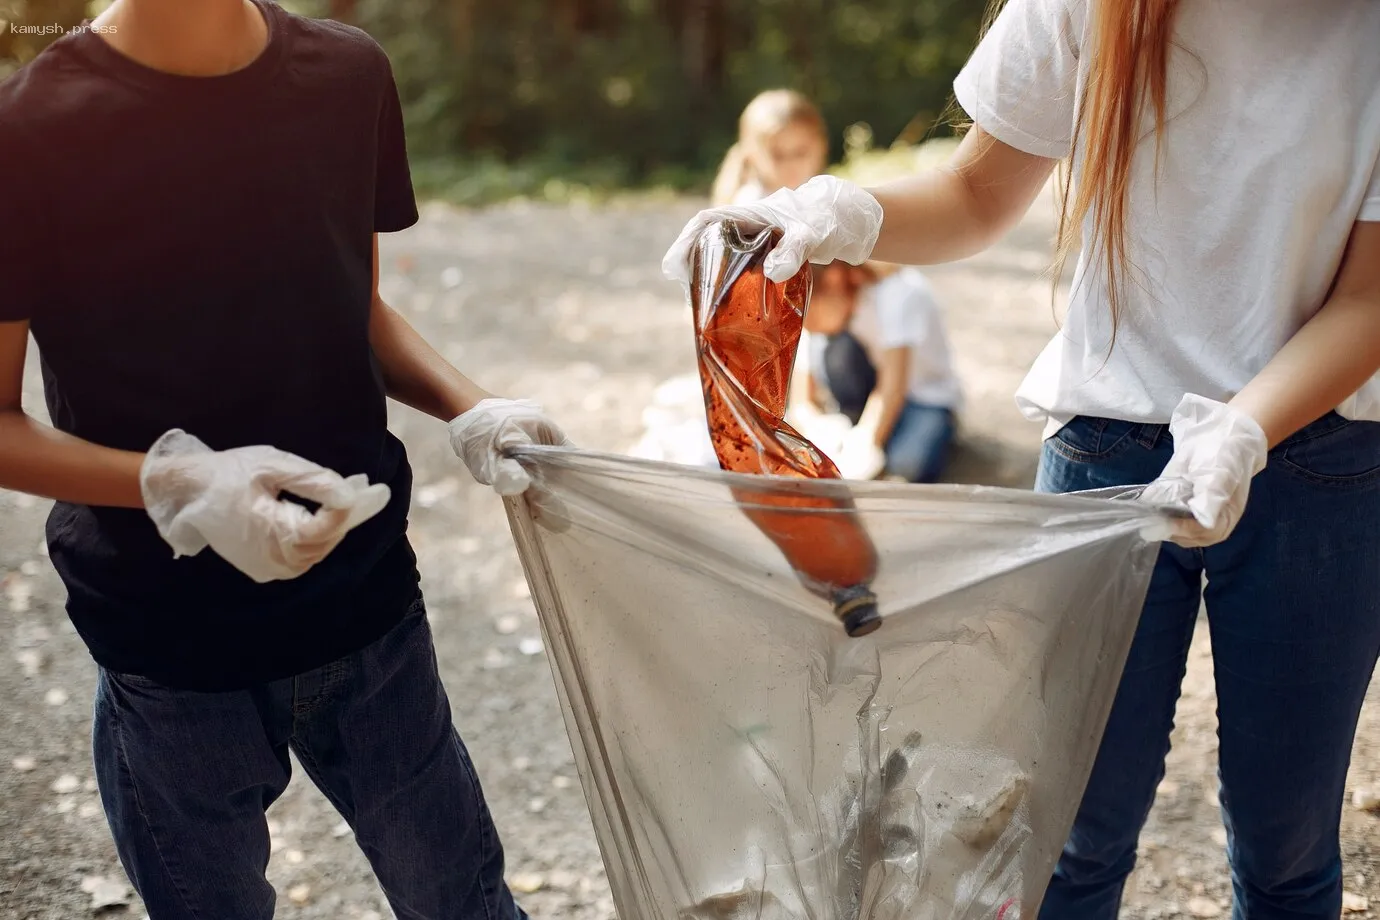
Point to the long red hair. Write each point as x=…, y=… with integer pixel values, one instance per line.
x=1128, y=53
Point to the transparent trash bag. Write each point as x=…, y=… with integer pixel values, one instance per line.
x=745, y=759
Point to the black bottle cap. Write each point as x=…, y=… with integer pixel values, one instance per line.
x=857, y=608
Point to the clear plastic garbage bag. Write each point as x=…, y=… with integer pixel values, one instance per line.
x=744, y=759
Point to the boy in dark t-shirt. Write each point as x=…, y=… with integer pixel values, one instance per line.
x=188, y=230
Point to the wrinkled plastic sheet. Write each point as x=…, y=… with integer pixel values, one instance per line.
x=742, y=757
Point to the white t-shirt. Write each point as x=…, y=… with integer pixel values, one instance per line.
x=1271, y=152
x=900, y=312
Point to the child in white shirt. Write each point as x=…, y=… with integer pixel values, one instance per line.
x=876, y=348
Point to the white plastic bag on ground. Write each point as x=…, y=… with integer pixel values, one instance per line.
x=743, y=759
x=676, y=429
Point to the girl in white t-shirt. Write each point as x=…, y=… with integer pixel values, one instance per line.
x=1222, y=340
x=876, y=348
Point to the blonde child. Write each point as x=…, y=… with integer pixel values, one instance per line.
x=900, y=367
x=782, y=143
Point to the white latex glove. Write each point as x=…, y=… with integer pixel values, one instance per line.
x=803, y=411
x=482, y=436
x=825, y=219
x=228, y=500
x=1217, y=451
x=824, y=430
x=861, y=458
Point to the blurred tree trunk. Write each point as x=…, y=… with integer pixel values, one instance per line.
x=805, y=20
x=575, y=20
x=711, y=45
x=701, y=29
x=590, y=15
x=462, y=25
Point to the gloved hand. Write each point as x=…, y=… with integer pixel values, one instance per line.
x=825, y=219
x=824, y=430
x=482, y=436
x=861, y=458
x=1217, y=451
x=228, y=500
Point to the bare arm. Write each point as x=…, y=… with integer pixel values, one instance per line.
x=40, y=460
x=1331, y=356
x=804, y=393
x=890, y=394
x=414, y=372
x=959, y=209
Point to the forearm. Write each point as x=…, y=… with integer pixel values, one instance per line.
x=414, y=373
x=803, y=395
x=40, y=460
x=930, y=218
x=884, y=410
x=1326, y=361
x=959, y=209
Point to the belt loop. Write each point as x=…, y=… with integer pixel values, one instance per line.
x=1148, y=436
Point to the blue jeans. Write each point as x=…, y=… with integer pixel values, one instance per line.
x=1293, y=607
x=918, y=446
x=185, y=778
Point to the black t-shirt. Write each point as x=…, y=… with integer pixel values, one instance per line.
x=195, y=253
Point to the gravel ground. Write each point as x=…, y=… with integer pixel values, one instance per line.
x=565, y=305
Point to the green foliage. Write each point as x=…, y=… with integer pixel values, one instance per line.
x=869, y=167
x=29, y=26
x=654, y=87
x=479, y=181
x=562, y=98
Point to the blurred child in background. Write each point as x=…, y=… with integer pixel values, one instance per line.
x=877, y=350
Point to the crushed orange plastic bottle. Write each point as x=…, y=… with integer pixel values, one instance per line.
x=747, y=331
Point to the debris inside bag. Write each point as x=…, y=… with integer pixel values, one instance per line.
x=976, y=799
x=744, y=903
x=929, y=815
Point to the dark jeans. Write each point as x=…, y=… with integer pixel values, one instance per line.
x=918, y=446
x=1293, y=607
x=185, y=778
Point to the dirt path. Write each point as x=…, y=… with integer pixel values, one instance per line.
x=565, y=305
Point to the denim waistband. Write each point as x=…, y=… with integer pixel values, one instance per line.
x=1149, y=435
